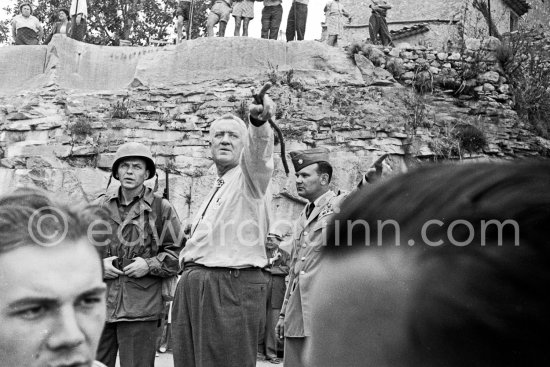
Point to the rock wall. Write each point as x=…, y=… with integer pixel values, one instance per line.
x=475, y=72
x=72, y=65
x=539, y=15
x=63, y=139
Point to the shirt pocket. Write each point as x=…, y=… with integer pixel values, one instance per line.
x=318, y=234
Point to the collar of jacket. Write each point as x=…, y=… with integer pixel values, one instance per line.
x=320, y=203
x=146, y=201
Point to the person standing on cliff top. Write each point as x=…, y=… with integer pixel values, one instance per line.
x=335, y=14
x=79, y=16
x=378, y=25
x=272, y=14
x=243, y=12
x=296, y=21
x=26, y=29
x=183, y=13
x=219, y=13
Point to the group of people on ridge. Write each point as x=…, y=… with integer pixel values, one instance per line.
x=28, y=30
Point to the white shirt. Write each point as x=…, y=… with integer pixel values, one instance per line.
x=234, y=227
x=31, y=22
x=79, y=7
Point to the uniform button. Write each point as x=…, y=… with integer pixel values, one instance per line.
x=304, y=245
x=302, y=272
x=305, y=233
x=303, y=258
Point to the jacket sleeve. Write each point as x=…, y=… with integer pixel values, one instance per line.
x=171, y=240
x=290, y=281
x=284, y=265
x=257, y=159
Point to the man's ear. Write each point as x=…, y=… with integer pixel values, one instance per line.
x=324, y=179
x=147, y=174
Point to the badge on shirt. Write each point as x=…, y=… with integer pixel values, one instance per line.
x=327, y=210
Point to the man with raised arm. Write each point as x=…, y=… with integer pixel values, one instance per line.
x=217, y=310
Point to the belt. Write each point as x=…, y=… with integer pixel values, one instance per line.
x=232, y=271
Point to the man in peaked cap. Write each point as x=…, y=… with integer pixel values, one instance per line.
x=313, y=176
x=277, y=269
x=142, y=251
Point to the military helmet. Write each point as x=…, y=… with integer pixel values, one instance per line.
x=137, y=150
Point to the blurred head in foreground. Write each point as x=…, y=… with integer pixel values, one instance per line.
x=445, y=266
x=52, y=308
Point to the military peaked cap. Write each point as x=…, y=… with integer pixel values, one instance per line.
x=304, y=158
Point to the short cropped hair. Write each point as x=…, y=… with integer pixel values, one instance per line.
x=229, y=116
x=324, y=167
x=482, y=304
x=33, y=217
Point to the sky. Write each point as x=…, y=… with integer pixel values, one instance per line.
x=313, y=26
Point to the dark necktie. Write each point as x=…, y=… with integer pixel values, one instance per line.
x=309, y=209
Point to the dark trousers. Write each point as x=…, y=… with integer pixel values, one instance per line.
x=78, y=31
x=378, y=26
x=296, y=22
x=271, y=21
x=216, y=317
x=294, y=352
x=135, y=341
x=268, y=339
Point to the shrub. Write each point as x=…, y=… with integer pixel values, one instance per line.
x=273, y=73
x=470, y=138
x=395, y=66
x=81, y=127
x=504, y=54
x=355, y=48
x=528, y=71
x=416, y=111
x=242, y=111
x=121, y=108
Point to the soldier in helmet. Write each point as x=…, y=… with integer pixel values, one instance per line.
x=142, y=251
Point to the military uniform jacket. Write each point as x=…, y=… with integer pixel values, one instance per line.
x=140, y=299
x=309, y=237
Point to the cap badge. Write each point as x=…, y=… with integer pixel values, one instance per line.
x=300, y=161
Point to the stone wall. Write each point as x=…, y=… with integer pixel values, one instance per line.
x=437, y=37
x=539, y=15
x=63, y=138
x=448, y=20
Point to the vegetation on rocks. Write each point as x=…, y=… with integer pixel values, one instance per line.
x=526, y=59
x=81, y=127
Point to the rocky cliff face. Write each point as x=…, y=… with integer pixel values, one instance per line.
x=61, y=124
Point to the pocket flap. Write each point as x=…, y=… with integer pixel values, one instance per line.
x=144, y=282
